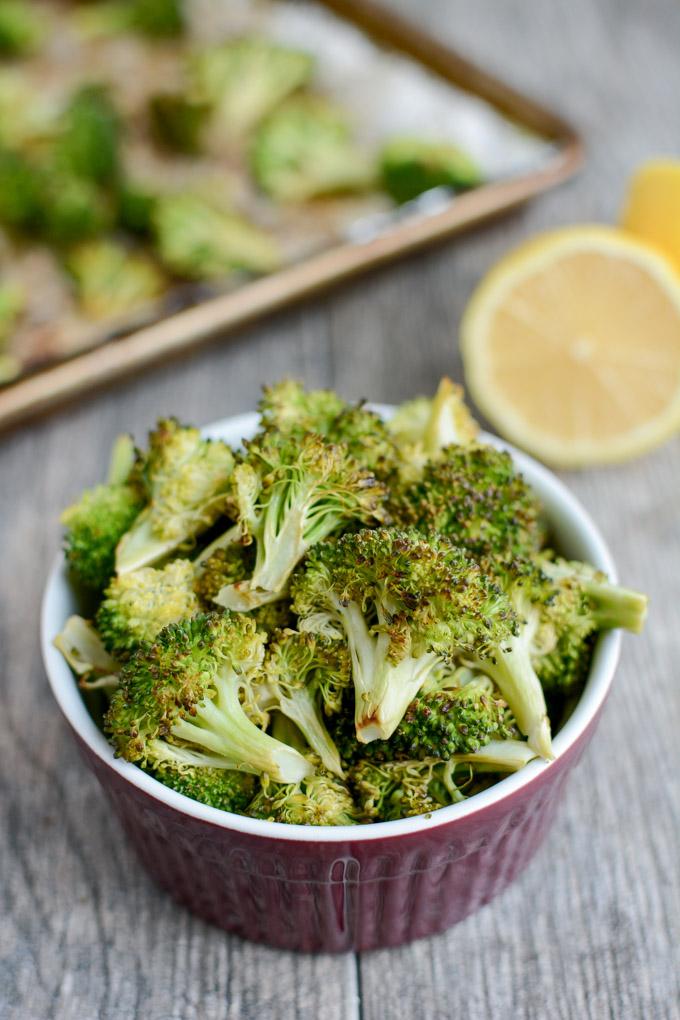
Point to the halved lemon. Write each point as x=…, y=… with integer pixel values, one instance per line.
x=571, y=346
x=652, y=207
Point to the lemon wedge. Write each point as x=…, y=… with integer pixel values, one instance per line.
x=652, y=208
x=571, y=346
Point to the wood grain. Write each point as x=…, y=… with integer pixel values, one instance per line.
x=592, y=929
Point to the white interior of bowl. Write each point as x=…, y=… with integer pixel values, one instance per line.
x=576, y=536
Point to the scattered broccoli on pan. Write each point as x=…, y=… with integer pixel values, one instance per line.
x=245, y=79
x=84, y=650
x=290, y=495
x=288, y=408
x=473, y=495
x=21, y=29
x=306, y=676
x=225, y=789
x=96, y=523
x=305, y=150
x=198, y=241
x=423, y=427
x=178, y=123
x=404, y=603
x=189, y=480
x=178, y=702
x=112, y=281
x=318, y=799
x=410, y=166
x=137, y=606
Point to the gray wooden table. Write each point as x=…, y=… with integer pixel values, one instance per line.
x=592, y=928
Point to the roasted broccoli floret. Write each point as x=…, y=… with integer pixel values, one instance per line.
x=95, y=524
x=137, y=606
x=404, y=603
x=224, y=789
x=319, y=799
x=288, y=408
x=244, y=79
x=306, y=676
x=89, y=136
x=456, y=712
x=84, y=650
x=390, y=790
x=305, y=150
x=20, y=192
x=178, y=702
x=410, y=166
x=189, y=480
x=473, y=495
x=289, y=495
x=111, y=280
x=423, y=427
x=21, y=29
x=177, y=122
x=588, y=590
x=198, y=241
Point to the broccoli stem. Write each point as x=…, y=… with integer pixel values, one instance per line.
x=300, y=706
x=122, y=460
x=222, y=727
x=511, y=669
x=498, y=756
x=614, y=606
x=139, y=547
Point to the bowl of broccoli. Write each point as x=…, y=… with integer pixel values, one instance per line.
x=332, y=663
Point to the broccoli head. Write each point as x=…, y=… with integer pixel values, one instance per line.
x=89, y=136
x=306, y=676
x=224, y=789
x=390, y=790
x=411, y=166
x=423, y=427
x=21, y=29
x=112, y=281
x=404, y=603
x=305, y=150
x=179, y=702
x=199, y=241
x=244, y=79
x=288, y=408
x=473, y=495
x=319, y=799
x=289, y=495
x=189, y=480
x=95, y=524
x=137, y=606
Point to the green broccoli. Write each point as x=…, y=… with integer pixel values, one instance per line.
x=290, y=494
x=21, y=187
x=305, y=150
x=95, y=524
x=473, y=495
x=423, y=427
x=390, y=790
x=404, y=603
x=245, y=79
x=158, y=18
x=318, y=799
x=112, y=281
x=224, y=789
x=135, y=207
x=288, y=408
x=177, y=122
x=89, y=136
x=21, y=29
x=74, y=209
x=199, y=241
x=189, y=481
x=84, y=650
x=137, y=606
x=306, y=676
x=410, y=166
x=178, y=702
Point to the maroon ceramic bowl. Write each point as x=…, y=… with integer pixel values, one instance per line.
x=334, y=889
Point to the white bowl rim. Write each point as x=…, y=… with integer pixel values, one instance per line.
x=559, y=501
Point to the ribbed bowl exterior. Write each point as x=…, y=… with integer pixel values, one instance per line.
x=332, y=897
